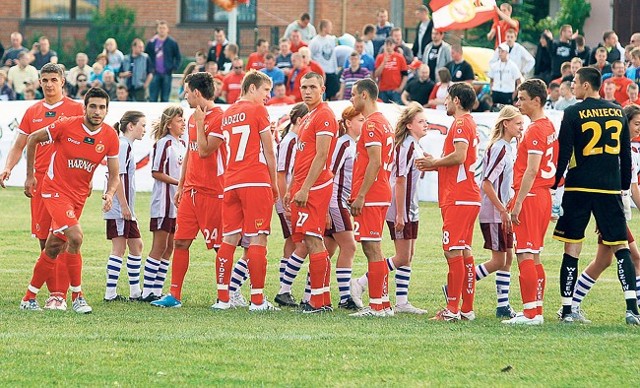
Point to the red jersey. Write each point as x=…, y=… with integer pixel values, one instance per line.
x=76, y=153
x=629, y=102
x=391, y=77
x=233, y=86
x=501, y=28
x=316, y=68
x=255, y=61
x=242, y=124
x=457, y=184
x=41, y=114
x=205, y=174
x=376, y=131
x=540, y=138
x=621, y=83
x=278, y=101
x=319, y=122
x=296, y=47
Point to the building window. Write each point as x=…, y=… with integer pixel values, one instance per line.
x=61, y=9
x=205, y=11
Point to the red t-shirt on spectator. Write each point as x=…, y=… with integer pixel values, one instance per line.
x=255, y=61
x=232, y=85
x=501, y=28
x=286, y=100
x=391, y=76
x=296, y=47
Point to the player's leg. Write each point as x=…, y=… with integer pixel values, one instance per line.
x=41, y=271
x=134, y=261
x=232, y=223
x=403, y=276
x=503, y=285
x=318, y=263
x=163, y=268
x=74, y=237
x=586, y=280
x=344, y=265
x=114, y=264
x=152, y=263
x=495, y=240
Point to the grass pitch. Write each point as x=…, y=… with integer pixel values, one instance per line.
x=138, y=345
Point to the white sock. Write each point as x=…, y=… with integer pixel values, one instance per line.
x=503, y=283
x=343, y=277
x=114, y=264
x=403, y=276
x=294, y=263
x=150, y=272
x=583, y=286
x=481, y=272
x=239, y=275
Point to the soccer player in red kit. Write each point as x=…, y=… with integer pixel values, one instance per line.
x=199, y=193
x=371, y=193
x=533, y=175
x=80, y=144
x=250, y=189
x=312, y=188
x=37, y=116
x=459, y=200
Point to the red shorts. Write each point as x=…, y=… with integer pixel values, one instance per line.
x=247, y=210
x=122, y=228
x=199, y=212
x=311, y=219
x=369, y=224
x=534, y=221
x=409, y=232
x=40, y=218
x=64, y=212
x=457, y=226
x=165, y=224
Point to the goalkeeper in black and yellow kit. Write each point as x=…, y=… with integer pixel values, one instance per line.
x=595, y=145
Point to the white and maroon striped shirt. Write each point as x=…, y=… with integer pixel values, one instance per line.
x=286, y=153
x=128, y=178
x=404, y=166
x=342, y=168
x=168, y=155
x=497, y=168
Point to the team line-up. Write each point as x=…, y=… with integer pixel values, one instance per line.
x=334, y=183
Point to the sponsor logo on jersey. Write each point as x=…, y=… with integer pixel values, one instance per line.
x=50, y=114
x=300, y=145
x=73, y=141
x=81, y=164
x=89, y=140
x=71, y=214
x=100, y=148
x=45, y=143
x=37, y=121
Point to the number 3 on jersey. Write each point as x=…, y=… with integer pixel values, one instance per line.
x=548, y=171
x=243, y=131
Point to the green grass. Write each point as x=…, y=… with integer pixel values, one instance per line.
x=135, y=344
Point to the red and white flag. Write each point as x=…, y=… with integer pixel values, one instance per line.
x=461, y=14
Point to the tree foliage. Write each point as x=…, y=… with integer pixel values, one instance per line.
x=116, y=22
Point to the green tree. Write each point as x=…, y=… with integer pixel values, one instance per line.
x=571, y=12
x=116, y=22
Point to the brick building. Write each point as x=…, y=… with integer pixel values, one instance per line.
x=191, y=22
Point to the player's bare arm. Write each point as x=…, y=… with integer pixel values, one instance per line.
x=122, y=199
x=457, y=157
x=206, y=144
x=370, y=174
x=13, y=157
x=323, y=144
x=164, y=178
x=41, y=135
x=113, y=182
x=183, y=173
x=267, y=147
x=490, y=192
x=529, y=176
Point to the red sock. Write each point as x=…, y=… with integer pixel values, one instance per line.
x=327, y=281
x=456, y=278
x=542, y=282
x=74, y=267
x=528, y=287
x=317, y=273
x=41, y=272
x=224, y=266
x=62, y=275
x=179, y=267
x=469, y=285
x=385, y=290
x=377, y=272
x=257, y=263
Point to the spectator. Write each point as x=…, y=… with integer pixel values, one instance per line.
x=137, y=71
x=297, y=72
x=391, y=72
x=610, y=42
x=423, y=31
x=270, y=69
x=343, y=52
x=231, y=53
x=383, y=30
x=633, y=72
x=561, y=50
x=217, y=94
x=620, y=81
x=483, y=104
x=576, y=63
x=283, y=60
x=635, y=39
x=582, y=50
x=201, y=61
x=601, y=61
x=608, y=90
x=82, y=66
x=29, y=93
x=323, y=51
x=256, y=59
x=212, y=68
x=42, y=54
x=314, y=66
x=501, y=26
x=79, y=88
x=232, y=82
x=440, y=90
x=164, y=53
x=296, y=41
x=6, y=93
x=437, y=54
x=565, y=71
x=191, y=68
x=368, y=34
x=302, y=25
x=114, y=56
x=21, y=74
x=461, y=70
x=352, y=73
x=505, y=77
x=632, y=92
x=366, y=60
x=418, y=88
x=566, y=96
x=95, y=79
x=517, y=53
x=280, y=96
x=104, y=61
x=553, y=96
x=10, y=57
x=400, y=46
x=627, y=54
x=542, y=68
x=217, y=50
x=122, y=93
x=109, y=84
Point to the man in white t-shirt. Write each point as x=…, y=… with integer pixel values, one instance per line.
x=505, y=77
